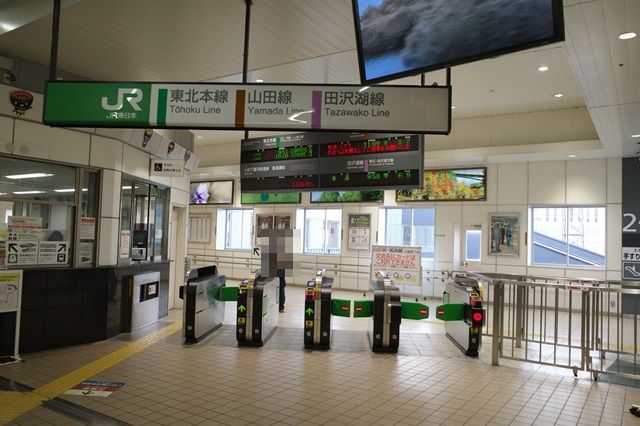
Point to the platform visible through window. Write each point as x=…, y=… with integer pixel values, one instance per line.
x=322, y=229
x=569, y=236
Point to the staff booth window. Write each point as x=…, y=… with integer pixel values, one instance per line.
x=41, y=207
x=143, y=221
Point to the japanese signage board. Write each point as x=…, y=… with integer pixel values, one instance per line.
x=22, y=253
x=630, y=219
x=53, y=253
x=411, y=109
x=87, y=228
x=172, y=168
x=95, y=388
x=401, y=263
x=24, y=228
x=335, y=161
x=359, y=232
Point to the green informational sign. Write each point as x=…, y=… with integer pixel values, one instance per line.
x=359, y=220
x=103, y=104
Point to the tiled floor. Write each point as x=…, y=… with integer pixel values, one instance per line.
x=429, y=382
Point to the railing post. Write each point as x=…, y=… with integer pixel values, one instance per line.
x=519, y=314
x=498, y=309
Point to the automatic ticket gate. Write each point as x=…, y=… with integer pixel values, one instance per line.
x=319, y=306
x=387, y=311
x=203, y=306
x=257, y=310
x=463, y=314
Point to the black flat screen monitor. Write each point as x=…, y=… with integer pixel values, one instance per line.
x=397, y=38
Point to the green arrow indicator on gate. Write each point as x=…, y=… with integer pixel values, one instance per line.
x=309, y=311
x=241, y=308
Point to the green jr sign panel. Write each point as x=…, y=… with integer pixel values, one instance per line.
x=99, y=105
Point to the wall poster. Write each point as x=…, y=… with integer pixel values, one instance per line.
x=504, y=234
x=359, y=232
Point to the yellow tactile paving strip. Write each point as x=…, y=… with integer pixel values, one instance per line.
x=15, y=404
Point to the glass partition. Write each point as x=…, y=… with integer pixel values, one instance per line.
x=143, y=221
x=39, y=202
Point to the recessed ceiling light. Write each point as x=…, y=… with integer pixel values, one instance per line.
x=28, y=175
x=543, y=68
x=28, y=192
x=259, y=80
x=558, y=95
x=635, y=136
x=572, y=156
x=627, y=36
x=199, y=137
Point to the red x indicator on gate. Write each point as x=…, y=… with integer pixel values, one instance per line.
x=423, y=312
x=358, y=308
x=345, y=308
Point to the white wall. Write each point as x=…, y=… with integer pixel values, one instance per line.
x=511, y=187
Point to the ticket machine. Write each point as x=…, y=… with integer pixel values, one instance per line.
x=257, y=309
x=319, y=306
x=463, y=314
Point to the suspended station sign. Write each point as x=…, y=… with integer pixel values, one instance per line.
x=331, y=161
x=230, y=106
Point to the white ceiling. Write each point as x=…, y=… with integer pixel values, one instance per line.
x=311, y=41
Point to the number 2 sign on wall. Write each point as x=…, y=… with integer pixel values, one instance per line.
x=630, y=219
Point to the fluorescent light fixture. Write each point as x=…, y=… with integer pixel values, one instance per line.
x=543, y=68
x=635, y=136
x=28, y=175
x=3, y=193
x=363, y=89
x=28, y=192
x=199, y=137
x=558, y=95
x=627, y=35
x=126, y=187
x=452, y=107
x=572, y=156
x=259, y=80
x=70, y=190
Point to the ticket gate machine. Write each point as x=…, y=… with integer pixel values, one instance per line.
x=387, y=311
x=203, y=310
x=319, y=306
x=463, y=314
x=257, y=309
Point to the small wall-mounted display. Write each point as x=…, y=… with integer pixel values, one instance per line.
x=347, y=197
x=212, y=192
x=449, y=185
x=270, y=198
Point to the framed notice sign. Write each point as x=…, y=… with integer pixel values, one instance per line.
x=401, y=263
x=359, y=232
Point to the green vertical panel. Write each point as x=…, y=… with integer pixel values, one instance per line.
x=162, y=107
x=362, y=308
x=341, y=307
x=88, y=104
x=413, y=310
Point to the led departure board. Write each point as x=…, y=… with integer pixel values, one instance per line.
x=336, y=161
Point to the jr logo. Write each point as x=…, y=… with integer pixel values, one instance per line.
x=133, y=96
